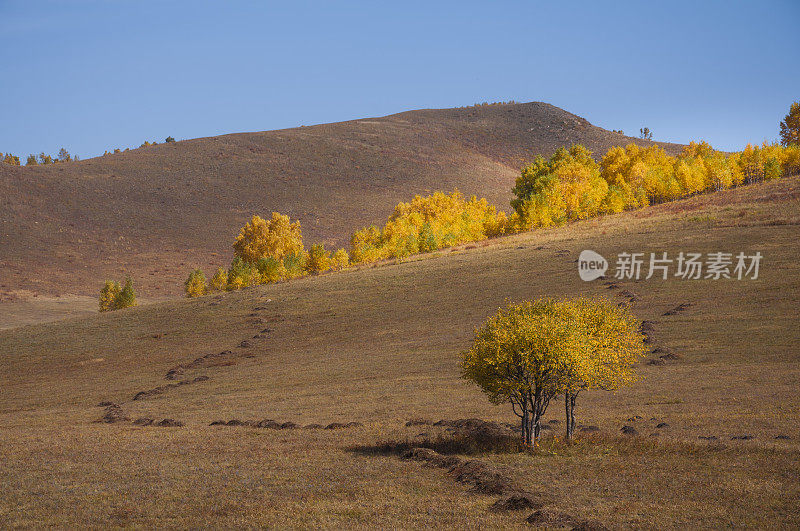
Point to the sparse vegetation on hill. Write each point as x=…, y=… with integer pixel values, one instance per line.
x=8, y=158
x=43, y=159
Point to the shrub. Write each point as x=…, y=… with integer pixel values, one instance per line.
x=241, y=275
x=31, y=161
x=126, y=297
x=365, y=245
x=114, y=297
x=340, y=260
x=8, y=158
x=220, y=280
x=271, y=270
x=108, y=295
x=275, y=238
x=319, y=260
x=295, y=264
x=195, y=285
x=169, y=140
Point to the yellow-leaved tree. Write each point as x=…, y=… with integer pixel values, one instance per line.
x=108, y=294
x=340, y=260
x=516, y=355
x=609, y=346
x=195, y=285
x=273, y=238
x=528, y=353
x=220, y=280
x=319, y=260
x=116, y=297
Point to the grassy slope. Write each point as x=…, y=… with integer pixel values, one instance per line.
x=379, y=345
x=158, y=212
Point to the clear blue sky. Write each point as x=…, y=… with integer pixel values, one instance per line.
x=95, y=75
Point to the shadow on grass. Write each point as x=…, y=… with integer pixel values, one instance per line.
x=464, y=437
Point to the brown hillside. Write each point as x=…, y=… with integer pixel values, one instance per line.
x=156, y=212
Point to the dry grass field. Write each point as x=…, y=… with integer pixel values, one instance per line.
x=377, y=346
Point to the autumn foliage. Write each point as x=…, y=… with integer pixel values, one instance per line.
x=529, y=353
x=426, y=224
x=274, y=238
x=196, y=285
x=568, y=186
x=113, y=296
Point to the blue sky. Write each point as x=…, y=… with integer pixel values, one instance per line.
x=95, y=75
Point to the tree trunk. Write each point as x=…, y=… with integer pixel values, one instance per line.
x=526, y=431
x=569, y=406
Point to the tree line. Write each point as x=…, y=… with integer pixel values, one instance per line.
x=568, y=186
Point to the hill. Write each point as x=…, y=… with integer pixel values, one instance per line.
x=715, y=409
x=159, y=211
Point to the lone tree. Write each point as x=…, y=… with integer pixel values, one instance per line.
x=790, y=126
x=517, y=356
x=645, y=133
x=529, y=353
x=610, y=344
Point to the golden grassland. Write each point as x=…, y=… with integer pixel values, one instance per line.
x=379, y=345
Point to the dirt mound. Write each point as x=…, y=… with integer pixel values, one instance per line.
x=678, y=309
x=431, y=458
x=419, y=422
x=647, y=326
x=216, y=359
x=143, y=421
x=289, y=425
x=589, y=429
x=342, y=425
x=113, y=414
x=169, y=423
x=665, y=355
x=629, y=430
x=516, y=502
x=481, y=477
x=160, y=390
